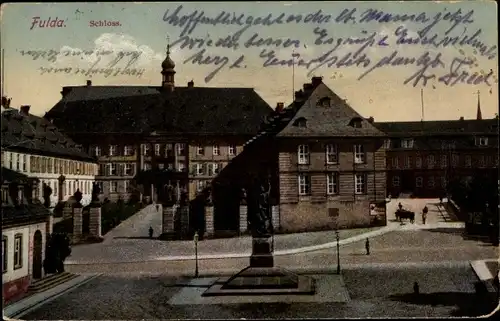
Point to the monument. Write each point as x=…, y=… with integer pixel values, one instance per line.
x=261, y=277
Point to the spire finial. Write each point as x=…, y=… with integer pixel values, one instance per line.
x=479, y=115
x=168, y=45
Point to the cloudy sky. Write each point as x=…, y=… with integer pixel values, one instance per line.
x=138, y=32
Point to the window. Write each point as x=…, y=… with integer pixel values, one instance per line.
x=5, y=195
x=430, y=182
x=395, y=162
x=444, y=160
x=145, y=149
x=332, y=183
x=395, y=181
x=418, y=162
x=200, y=185
x=18, y=167
x=18, y=251
x=304, y=184
x=468, y=161
x=199, y=169
x=419, y=181
x=125, y=186
x=96, y=151
x=127, y=169
x=359, y=154
x=407, y=143
x=4, y=254
x=181, y=166
x=216, y=150
x=180, y=149
x=303, y=154
x=113, y=187
x=55, y=188
x=200, y=150
x=481, y=161
x=408, y=162
x=454, y=160
x=300, y=122
x=387, y=144
x=360, y=183
x=430, y=161
x=481, y=141
x=112, y=150
x=325, y=102
x=11, y=159
x=147, y=166
x=331, y=154
x=157, y=149
x=111, y=169
x=168, y=150
x=232, y=150
x=127, y=150
x=443, y=181
x=25, y=161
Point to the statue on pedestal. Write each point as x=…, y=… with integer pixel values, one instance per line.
x=46, y=192
x=78, y=197
x=96, y=190
x=260, y=214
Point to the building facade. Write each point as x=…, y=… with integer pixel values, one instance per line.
x=424, y=157
x=33, y=146
x=25, y=226
x=190, y=133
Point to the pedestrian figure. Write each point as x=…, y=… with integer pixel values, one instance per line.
x=441, y=201
x=400, y=206
x=424, y=217
x=150, y=232
x=367, y=246
x=416, y=288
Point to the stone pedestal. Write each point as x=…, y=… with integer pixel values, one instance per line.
x=50, y=225
x=168, y=218
x=243, y=218
x=209, y=220
x=276, y=217
x=95, y=221
x=77, y=223
x=183, y=212
x=261, y=253
x=67, y=212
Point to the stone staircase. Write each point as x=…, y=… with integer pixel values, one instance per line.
x=50, y=282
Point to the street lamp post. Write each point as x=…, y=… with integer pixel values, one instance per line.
x=196, y=253
x=338, y=251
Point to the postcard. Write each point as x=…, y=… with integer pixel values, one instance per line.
x=247, y=160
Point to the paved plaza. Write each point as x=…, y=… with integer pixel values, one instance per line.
x=366, y=292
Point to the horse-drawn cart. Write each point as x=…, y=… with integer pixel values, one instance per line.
x=405, y=214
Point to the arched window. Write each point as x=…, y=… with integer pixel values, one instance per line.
x=356, y=122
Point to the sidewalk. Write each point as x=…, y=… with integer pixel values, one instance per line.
x=32, y=302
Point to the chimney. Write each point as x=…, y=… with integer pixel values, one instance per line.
x=371, y=119
x=89, y=83
x=461, y=118
x=191, y=84
x=316, y=81
x=25, y=110
x=308, y=88
x=65, y=91
x=280, y=107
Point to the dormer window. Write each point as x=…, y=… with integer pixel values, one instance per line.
x=407, y=143
x=324, y=102
x=355, y=122
x=481, y=141
x=300, y=122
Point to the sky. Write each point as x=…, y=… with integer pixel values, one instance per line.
x=139, y=33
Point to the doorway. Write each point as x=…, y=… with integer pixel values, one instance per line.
x=37, y=255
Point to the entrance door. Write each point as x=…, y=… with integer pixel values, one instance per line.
x=37, y=255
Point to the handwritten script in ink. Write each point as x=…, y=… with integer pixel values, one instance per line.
x=107, y=63
x=434, y=46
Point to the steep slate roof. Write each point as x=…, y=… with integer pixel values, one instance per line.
x=24, y=213
x=8, y=176
x=333, y=121
x=440, y=127
x=189, y=110
x=33, y=134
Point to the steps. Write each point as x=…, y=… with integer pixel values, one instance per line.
x=50, y=282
